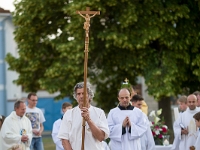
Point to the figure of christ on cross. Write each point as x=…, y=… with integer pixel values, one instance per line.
x=87, y=18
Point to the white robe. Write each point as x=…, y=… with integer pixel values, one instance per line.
x=176, y=129
x=56, y=140
x=1, y=141
x=197, y=144
x=71, y=128
x=127, y=141
x=105, y=145
x=147, y=140
x=11, y=131
x=185, y=141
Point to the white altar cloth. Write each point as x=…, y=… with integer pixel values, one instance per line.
x=161, y=147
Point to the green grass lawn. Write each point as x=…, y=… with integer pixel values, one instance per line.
x=48, y=143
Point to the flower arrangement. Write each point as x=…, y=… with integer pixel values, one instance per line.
x=158, y=127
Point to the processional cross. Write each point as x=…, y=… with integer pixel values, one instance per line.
x=88, y=14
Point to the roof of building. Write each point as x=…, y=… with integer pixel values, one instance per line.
x=4, y=11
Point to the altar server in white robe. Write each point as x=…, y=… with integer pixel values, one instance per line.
x=185, y=128
x=56, y=127
x=197, y=121
x=182, y=104
x=16, y=130
x=96, y=129
x=147, y=141
x=126, y=124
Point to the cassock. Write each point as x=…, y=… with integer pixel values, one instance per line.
x=147, y=140
x=126, y=138
x=187, y=120
x=71, y=128
x=56, y=140
x=12, y=130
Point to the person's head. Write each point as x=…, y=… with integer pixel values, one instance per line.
x=133, y=92
x=2, y=118
x=124, y=97
x=192, y=101
x=182, y=103
x=197, y=93
x=66, y=106
x=78, y=93
x=32, y=100
x=20, y=108
x=197, y=119
x=136, y=101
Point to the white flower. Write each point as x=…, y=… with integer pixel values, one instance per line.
x=156, y=120
x=157, y=132
x=164, y=126
x=152, y=113
x=159, y=112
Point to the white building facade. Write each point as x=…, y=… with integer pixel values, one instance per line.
x=8, y=91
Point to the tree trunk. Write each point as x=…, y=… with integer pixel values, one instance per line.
x=165, y=104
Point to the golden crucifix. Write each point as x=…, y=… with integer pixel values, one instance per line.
x=88, y=14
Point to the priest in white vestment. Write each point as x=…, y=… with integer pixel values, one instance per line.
x=147, y=140
x=126, y=123
x=96, y=129
x=17, y=130
x=185, y=128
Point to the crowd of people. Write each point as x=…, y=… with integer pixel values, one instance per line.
x=22, y=129
x=187, y=126
x=127, y=125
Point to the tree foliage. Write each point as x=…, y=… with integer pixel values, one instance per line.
x=159, y=40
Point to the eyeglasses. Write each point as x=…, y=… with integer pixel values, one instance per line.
x=33, y=100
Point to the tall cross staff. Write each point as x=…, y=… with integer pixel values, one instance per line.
x=88, y=14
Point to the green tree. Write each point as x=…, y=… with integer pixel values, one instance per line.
x=155, y=39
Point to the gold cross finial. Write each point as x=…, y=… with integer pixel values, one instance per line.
x=126, y=80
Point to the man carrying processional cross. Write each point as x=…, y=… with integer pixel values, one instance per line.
x=96, y=123
x=84, y=127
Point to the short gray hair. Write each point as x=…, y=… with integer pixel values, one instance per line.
x=17, y=104
x=80, y=85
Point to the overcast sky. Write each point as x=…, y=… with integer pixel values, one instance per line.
x=7, y=4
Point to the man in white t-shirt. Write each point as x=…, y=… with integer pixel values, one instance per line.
x=96, y=129
x=36, y=117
